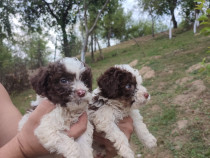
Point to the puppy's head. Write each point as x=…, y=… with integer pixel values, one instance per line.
x=123, y=83
x=64, y=81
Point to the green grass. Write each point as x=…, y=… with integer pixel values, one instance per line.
x=22, y=100
x=175, y=57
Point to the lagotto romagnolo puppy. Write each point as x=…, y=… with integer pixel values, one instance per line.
x=67, y=83
x=119, y=94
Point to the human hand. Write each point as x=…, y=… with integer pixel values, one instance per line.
x=79, y=127
x=125, y=125
x=27, y=144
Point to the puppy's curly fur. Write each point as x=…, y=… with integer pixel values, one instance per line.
x=119, y=94
x=67, y=83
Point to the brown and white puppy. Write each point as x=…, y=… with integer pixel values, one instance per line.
x=67, y=83
x=120, y=94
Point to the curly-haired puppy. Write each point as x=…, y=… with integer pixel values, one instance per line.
x=119, y=94
x=67, y=83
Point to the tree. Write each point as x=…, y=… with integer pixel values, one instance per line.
x=35, y=48
x=188, y=7
x=62, y=13
x=89, y=30
x=204, y=19
x=168, y=7
x=143, y=28
x=152, y=7
x=6, y=9
x=114, y=22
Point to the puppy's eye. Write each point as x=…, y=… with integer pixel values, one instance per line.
x=64, y=81
x=128, y=86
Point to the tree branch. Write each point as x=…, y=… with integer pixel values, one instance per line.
x=96, y=20
x=85, y=16
x=67, y=9
x=51, y=12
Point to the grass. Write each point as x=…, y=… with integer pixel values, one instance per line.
x=175, y=56
x=23, y=99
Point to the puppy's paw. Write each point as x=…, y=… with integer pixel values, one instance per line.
x=151, y=142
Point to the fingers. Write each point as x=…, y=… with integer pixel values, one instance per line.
x=26, y=135
x=79, y=127
x=126, y=126
x=100, y=139
x=44, y=107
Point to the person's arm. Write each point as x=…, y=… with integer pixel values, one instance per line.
x=9, y=117
x=26, y=144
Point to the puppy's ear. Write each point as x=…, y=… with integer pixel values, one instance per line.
x=39, y=81
x=109, y=83
x=86, y=77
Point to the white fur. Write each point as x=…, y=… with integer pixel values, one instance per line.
x=73, y=65
x=107, y=116
x=51, y=131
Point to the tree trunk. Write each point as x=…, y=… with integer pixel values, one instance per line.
x=91, y=46
x=108, y=37
x=101, y=55
x=173, y=19
x=170, y=30
x=39, y=53
x=55, y=49
x=94, y=42
x=66, y=48
x=84, y=47
x=153, y=27
x=87, y=30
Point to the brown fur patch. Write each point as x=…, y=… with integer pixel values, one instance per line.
x=48, y=83
x=114, y=84
x=86, y=77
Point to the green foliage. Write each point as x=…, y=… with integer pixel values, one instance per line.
x=204, y=19
x=6, y=9
x=187, y=12
x=38, y=14
x=5, y=56
x=113, y=24
x=143, y=28
x=36, y=49
x=13, y=73
x=75, y=45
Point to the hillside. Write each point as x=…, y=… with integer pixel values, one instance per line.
x=178, y=113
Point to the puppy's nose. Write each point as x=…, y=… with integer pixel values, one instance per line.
x=146, y=95
x=80, y=92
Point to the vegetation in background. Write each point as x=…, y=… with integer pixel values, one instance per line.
x=204, y=18
x=187, y=12
x=53, y=14
x=205, y=22
x=35, y=46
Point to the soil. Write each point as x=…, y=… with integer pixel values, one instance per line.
x=133, y=63
x=147, y=72
x=196, y=89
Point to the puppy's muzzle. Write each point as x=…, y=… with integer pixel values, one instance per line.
x=146, y=95
x=80, y=93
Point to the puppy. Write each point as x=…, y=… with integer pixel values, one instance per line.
x=120, y=94
x=67, y=83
